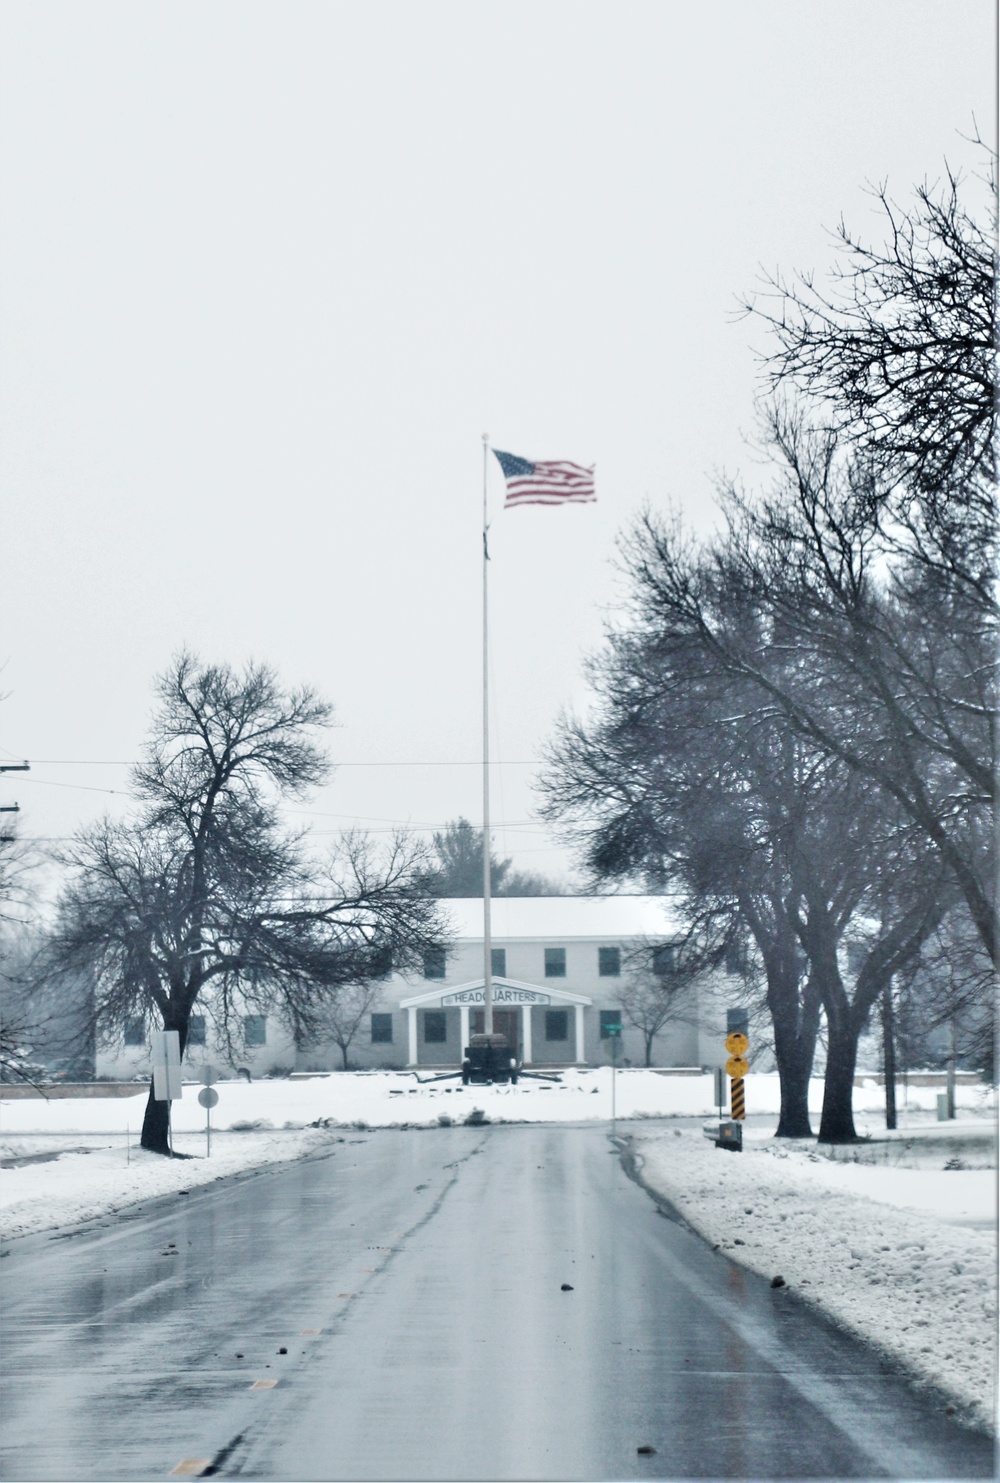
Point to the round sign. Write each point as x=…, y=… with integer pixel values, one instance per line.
x=736, y=1066
x=208, y=1096
x=737, y=1043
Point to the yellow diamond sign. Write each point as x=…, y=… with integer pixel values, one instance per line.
x=736, y=1066
x=737, y=1043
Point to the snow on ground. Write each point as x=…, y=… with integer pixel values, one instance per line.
x=97, y=1176
x=100, y=1167
x=896, y=1246
x=905, y=1258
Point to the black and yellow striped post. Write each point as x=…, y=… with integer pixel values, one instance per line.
x=737, y=1044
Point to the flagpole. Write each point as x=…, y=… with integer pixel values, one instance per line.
x=487, y=944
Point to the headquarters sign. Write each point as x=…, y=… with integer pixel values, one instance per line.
x=501, y=995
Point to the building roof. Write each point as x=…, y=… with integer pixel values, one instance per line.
x=515, y=918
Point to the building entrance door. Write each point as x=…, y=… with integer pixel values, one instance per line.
x=505, y=1022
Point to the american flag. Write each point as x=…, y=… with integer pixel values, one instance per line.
x=554, y=482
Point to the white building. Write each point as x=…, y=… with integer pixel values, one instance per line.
x=558, y=967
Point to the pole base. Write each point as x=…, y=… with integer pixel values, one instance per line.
x=730, y=1136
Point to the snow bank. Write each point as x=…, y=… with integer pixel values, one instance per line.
x=91, y=1177
x=907, y=1259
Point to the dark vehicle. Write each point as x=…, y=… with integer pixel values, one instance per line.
x=489, y=1058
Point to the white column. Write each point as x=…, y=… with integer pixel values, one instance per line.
x=411, y=1025
x=463, y=1012
x=580, y=1050
x=526, y=1034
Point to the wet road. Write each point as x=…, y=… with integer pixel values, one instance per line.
x=395, y=1309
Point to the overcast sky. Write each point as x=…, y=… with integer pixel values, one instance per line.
x=269, y=272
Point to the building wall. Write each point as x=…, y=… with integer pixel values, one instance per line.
x=128, y=1063
x=677, y=1045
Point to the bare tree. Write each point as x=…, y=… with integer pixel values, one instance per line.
x=46, y=1028
x=19, y=1025
x=204, y=896
x=21, y=1021
x=893, y=549
x=894, y=671
x=18, y=860
x=899, y=346
x=684, y=781
x=690, y=773
x=946, y=1003
x=347, y=1012
x=654, y=994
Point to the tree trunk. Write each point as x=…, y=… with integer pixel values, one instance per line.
x=156, y=1123
x=889, y=1056
x=837, y=1119
x=793, y=1079
x=795, y=1018
x=649, y=1047
x=950, y=1083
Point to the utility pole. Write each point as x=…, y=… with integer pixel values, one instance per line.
x=889, y=1055
x=12, y=808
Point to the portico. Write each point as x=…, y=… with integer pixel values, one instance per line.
x=510, y=997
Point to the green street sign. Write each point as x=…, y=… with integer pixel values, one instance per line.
x=612, y=1029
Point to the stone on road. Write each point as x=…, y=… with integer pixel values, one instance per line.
x=450, y=1303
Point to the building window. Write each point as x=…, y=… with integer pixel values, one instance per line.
x=736, y=957
x=557, y=1024
x=434, y=959
x=196, y=1030
x=610, y=1017
x=498, y=961
x=555, y=962
x=383, y=963
x=435, y=1027
x=663, y=960
x=609, y=962
x=255, y=1029
x=381, y=1029
x=135, y=1032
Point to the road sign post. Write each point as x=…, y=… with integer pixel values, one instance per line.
x=166, y=1052
x=208, y=1098
x=613, y=1030
x=737, y=1066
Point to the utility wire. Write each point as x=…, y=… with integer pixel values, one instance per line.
x=121, y=762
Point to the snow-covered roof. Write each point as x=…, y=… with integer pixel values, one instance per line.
x=554, y=917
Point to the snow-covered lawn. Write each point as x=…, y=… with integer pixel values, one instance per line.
x=898, y=1248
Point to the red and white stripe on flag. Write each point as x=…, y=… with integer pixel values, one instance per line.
x=553, y=482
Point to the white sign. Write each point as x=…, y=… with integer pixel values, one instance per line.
x=166, y=1047
x=501, y=995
